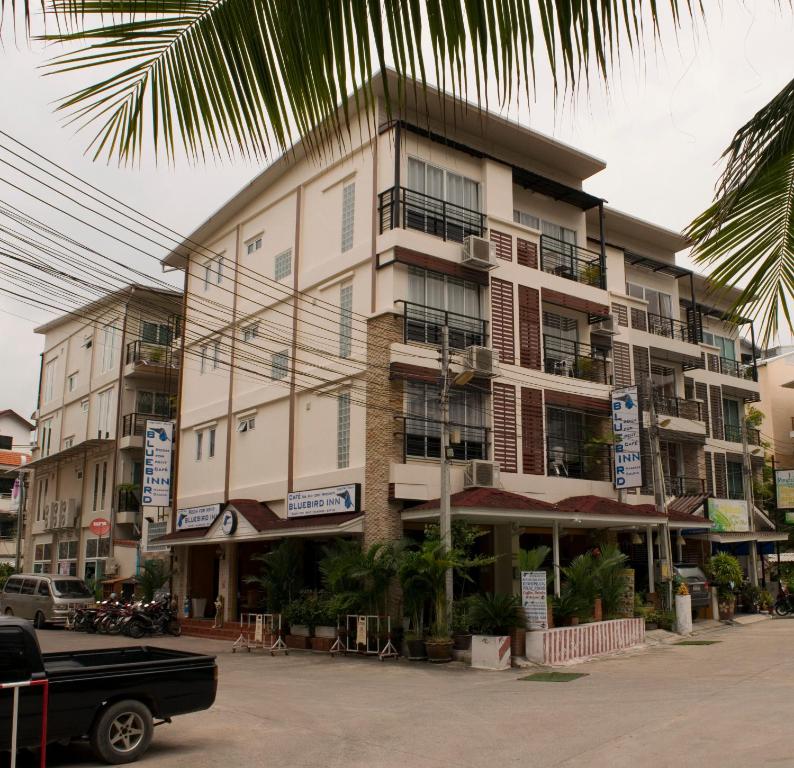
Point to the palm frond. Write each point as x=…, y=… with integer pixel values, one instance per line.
x=223, y=77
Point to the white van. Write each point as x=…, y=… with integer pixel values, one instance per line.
x=43, y=598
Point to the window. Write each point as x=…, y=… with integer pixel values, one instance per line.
x=216, y=353
x=571, y=449
x=88, y=342
x=731, y=411
x=46, y=436
x=67, y=558
x=42, y=559
x=348, y=215
x=345, y=320
x=213, y=272
x=659, y=303
x=211, y=442
x=41, y=499
x=279, y=365
x=84, y=405
x=727, y=347
x=219, y=270
x=6, y=442
x=109, y=336
x=443, y=185
x=96, y=552
x=153, y=403
x=68, y=442
x=527, y=219
x=735, y=480
x=207, y=274
x=155, y=333
x=283, y=265
x=558, y=232
x=100, y=486
x=253, y=245
x=49, y=380
x=432, y=289
x=246, y=424
x=103, y=412
x=250, y=332
x=199, y=442
x=203, y=358
x=343, y=430
x=71, y=381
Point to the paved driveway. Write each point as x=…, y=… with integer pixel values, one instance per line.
x=727, y=704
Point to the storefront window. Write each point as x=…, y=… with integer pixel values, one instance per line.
x=67, y=558
x=96, y=552
x=42, y=558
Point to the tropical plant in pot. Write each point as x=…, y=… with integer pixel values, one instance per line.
x=282, y=574
x=494, y=617
x=416, y=589
x=725, y=573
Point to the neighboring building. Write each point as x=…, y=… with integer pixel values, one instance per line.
x=15, y=432
x=321, y=375
x=11, y=462
x=105, y=369
x=776, y=381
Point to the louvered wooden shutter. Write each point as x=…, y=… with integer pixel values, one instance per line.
x=720, y=476
x=529, y=327
x=715, y=399
x=709, y=472
x=503, y=243
x=527, y=253
x=532, y=460
x=639, y=319
x=502, y=327
x=622, y=363
x=504, y=426
x=713, y=363
x=642, y=369
x=702, y=393
x=621, y=312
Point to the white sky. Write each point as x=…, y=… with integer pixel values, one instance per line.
x=661, y=129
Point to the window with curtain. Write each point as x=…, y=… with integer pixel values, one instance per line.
x=735, y=480
x=442, y=184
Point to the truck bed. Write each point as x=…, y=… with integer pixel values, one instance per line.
x=109, y=659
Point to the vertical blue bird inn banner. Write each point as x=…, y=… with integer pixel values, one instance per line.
x=626, y=429
x=157, y=444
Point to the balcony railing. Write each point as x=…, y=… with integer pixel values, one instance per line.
x=134, y=424
x=669, y=328
x=406, y=209
x=571, y=262
x=128, y=501
x=424, y=324
x=141, y=352
x=575, y=458
x=733, y=433
x=422, y=440
x=737, y=369
x=574, y=359
x=678, y=406
x=684, y=486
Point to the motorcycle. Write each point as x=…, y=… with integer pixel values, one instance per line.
x=151, y=619
x=784, y=605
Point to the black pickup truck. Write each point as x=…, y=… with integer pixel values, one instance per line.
x=110, y=696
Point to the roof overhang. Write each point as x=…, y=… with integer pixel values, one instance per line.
x=68, y=454
x=737, y=537
x=619, y=225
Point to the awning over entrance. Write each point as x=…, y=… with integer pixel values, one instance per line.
x=257, y=522
x=737, y=537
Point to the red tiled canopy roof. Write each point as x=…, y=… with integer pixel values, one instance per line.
x=491, y=498
x=599, y=505
x=13, y=458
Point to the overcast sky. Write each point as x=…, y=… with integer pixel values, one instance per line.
x=661, y=130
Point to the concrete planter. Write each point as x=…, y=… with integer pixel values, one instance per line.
x=683, y=614
x=302, y=630
x=299, y=642
x=322, y=644
x=325, y=631
x=490, y=651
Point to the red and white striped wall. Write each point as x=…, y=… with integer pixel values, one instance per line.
x=566, y=644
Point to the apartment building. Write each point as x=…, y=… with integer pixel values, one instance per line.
x=316, y=303
x=105, y=370
x=776, y=383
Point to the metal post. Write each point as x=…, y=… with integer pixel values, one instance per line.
x=555, y=555
x=747, y=472
x=602, y=243
x=649, y=544
x=395, y=210
x=445, y=515
x=659, y=493
x=20, y=508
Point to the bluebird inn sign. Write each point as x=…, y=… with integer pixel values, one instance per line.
x=626, y=429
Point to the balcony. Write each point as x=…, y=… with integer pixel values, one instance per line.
x=564, y=357
x=738, y=369
x=399, y=207
x=577, y=459
x=424, y=324
x=144, y=353
x=684, y=486
x=571, y=262
x=733, y=434
x=670, y=328
x=422, y=440
x=679, y=407
x=128, y=501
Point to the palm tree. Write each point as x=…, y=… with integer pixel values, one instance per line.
x=221, y=77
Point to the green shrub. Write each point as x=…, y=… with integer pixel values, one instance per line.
x=725, y=572
x=494, y=614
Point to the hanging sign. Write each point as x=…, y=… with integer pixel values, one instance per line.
x=626, y=428
x=728, y=515
x=15, y=495
x=197, y=517
x=533, y=599
x=784, y=486
x=99, y=526
x=157, y=443
x=324, y=501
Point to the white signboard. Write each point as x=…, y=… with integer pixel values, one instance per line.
x=729, y=515
x=154, y=531
x=324, y=501
x=197, y=517
x=626, y=428
x=533, y=599
x=157, y=442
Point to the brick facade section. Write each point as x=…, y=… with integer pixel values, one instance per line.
x=382, y=520
x=621, y=358
x=504, y=426
x=502, y=323
x=715, y=401
x=720, y=476
x=532, y=429
x=526, y=253
x=529, y=327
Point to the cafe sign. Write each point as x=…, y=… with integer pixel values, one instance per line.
x=324, y=501
x=197, y=517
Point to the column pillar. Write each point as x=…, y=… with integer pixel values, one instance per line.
x=555, y=555
x=503, y=568
x=651, y=575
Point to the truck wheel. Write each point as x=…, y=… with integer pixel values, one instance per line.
x=122, y=733
x=39, y=621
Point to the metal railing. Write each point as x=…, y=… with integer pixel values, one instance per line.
x=574, y=359
x=733, y=433
x=678, y=406
x=422, y=439
x=659, y=325
x=134, y=424
x=737, y=369
x=399, y=207
x=577, y=459
x=684, y=486
x=128, y=501
x=141, y=352
x=424, y=324
x=571, y=262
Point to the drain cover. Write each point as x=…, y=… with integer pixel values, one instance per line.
x=696, y=642
x=553, y=677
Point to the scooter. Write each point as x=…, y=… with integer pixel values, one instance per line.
x=784, y=605
x=151, y=619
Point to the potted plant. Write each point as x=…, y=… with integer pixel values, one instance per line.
x=416, y=590
x=766, y=601
x=683, y=609
x=461, y=625
x=725, y=572
x=432, y=563
x=296, y=615
x=493, y=617
x=326, y=624
x=751, y=598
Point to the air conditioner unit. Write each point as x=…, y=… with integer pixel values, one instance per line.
x=484, y=361
x=55, y=508
x=607, y=326
x=62, y=513
x=481, y=474
x=111, y=566
x=72, y=513
x=478, y=253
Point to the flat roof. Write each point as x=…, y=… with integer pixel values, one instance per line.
x=619, y=223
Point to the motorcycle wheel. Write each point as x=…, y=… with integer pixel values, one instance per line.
x=781, y=609
x=135, y=630
x=114, y=627
x=173, y=628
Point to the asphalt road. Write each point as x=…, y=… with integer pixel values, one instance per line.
x=727, y=704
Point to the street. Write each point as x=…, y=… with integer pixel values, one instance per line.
x=721, y=704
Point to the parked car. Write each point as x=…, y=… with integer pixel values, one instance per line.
x=696, y=581
x=109, y=696
x=43, y=598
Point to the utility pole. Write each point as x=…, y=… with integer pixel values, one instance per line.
x=20, y=508
x=445, y=513
x=747, y=478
